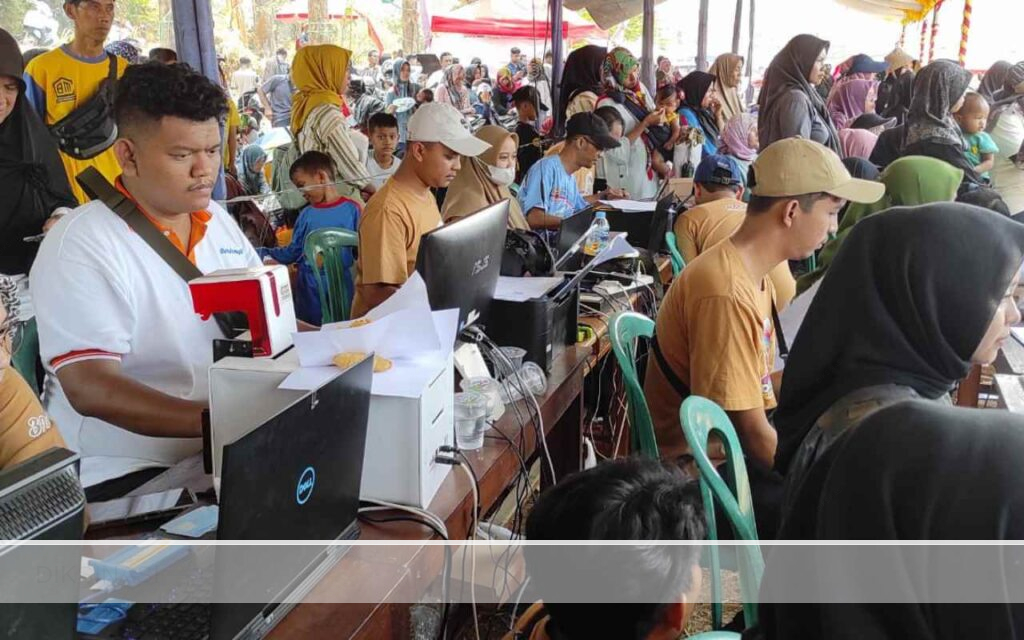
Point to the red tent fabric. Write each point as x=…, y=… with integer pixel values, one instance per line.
x=511, y=19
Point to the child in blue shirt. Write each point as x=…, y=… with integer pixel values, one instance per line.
x=313, y=173
x=980, y=149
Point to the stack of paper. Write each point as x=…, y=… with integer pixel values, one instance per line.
x=632, y=205
x=403, y=329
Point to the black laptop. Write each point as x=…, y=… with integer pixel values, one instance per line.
x=296, y=477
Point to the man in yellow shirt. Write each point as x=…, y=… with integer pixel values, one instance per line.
x=715, y=336
x=404, y=209
x=59, y=81
x=718, y=189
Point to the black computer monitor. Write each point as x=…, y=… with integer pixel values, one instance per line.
x=460, y=262
x=41, y=499
x=572, y=229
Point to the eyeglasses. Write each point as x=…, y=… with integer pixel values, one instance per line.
x=10, y=337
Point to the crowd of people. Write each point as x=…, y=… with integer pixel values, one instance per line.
x=897, y=177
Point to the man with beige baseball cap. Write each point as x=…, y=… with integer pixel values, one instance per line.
x=715, y=334
x=404, y=208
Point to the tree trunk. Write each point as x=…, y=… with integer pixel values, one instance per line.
x=736, y=25
x=410, y=26
x=319, y=28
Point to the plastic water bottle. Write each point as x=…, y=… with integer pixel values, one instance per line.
x=598, y=238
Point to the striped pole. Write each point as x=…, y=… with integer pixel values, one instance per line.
x=924, y=38
x=935, y=30
x=965, y=30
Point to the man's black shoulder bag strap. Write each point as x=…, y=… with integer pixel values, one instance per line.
x=97, y=188
x=666, y=369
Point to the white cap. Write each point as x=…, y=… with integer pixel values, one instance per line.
x=438, y=122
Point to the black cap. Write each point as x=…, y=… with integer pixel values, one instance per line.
x=593, y=127
x=514, y=50
x=870, y=120
x=528, y=94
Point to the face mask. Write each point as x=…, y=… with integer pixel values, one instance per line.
x=501, y=177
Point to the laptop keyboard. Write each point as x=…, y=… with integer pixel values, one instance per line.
x=34, y=507
x=187, y=617
x=167, y=622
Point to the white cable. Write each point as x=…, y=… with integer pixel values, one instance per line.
x=526, y=392
x=470, y=548
x=515, y=607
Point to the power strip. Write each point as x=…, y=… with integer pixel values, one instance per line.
x=614, y=290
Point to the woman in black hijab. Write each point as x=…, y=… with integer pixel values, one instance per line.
x=695, y=87
x=581, y=74
x=939, y=91
x=33, y=177
x=903, y=312
x=991, y=87
x=789, y=105
x=915, y=471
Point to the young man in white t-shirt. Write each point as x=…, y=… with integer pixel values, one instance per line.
x=126, y=354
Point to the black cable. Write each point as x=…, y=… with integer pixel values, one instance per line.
x=446, y=570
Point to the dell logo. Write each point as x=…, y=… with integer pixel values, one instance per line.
x=305, y=487
x=481, y=264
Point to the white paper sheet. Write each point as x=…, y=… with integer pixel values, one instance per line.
x=619, y=247
x=408, y=333
x=411, y=295
x=446, y=325
x=636, y=206
x=522, y=289
x=407, y=378
x=1018, y=334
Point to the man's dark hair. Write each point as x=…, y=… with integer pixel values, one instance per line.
x=244, y=61
x=760, y=204
x=660, y=58
x=153, y=91
x=986, y=198
x=311, y=162
x=626, y=499
x=282, y=52
x=514, y=51
x=610, y=115
x=381, y=120
x=717, y=187
x=163, y=55
x=443, y=54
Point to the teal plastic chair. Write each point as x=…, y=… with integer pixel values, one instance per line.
x=700, y=418
x=325, y=246
x=715, y=635
x=673, y=253
x=624, y=329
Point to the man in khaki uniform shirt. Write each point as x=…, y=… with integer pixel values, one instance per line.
x=25, y=429
x=718, y=189
x=714, y=329
x=398, y=215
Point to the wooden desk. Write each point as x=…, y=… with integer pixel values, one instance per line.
x=402, y=579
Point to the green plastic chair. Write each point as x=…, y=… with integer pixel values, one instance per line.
x=700, y=418
x=624, y=330
x=715, y=635
x=673, y=253
x=325, y=245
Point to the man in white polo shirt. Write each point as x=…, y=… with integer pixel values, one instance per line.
x=127, y=356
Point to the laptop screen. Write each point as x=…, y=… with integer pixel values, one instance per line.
x=297, y=477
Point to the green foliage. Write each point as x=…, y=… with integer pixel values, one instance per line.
x=12, y=12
